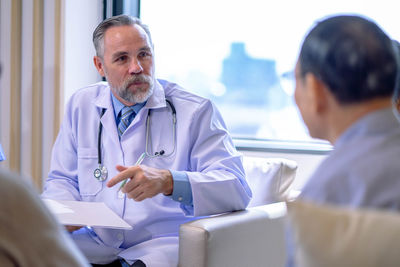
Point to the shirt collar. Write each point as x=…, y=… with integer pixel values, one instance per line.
x=376, y=122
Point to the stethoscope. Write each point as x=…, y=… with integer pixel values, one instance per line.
x=101, y=172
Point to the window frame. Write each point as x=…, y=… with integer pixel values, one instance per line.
x=319, y=147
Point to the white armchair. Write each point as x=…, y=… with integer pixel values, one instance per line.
x=256, y=236
x=252, y=237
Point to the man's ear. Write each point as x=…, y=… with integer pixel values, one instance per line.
x=317, y=93
x=99, y=65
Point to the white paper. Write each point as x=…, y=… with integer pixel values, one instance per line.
x=80, y=213
x=56, y=207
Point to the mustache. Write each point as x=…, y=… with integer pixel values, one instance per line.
x=137, y=78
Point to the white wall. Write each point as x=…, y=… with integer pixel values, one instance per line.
x=81, y=18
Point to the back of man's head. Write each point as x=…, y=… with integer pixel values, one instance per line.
x=352, y=56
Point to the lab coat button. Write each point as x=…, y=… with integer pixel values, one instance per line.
x=180, y=198
x=120, y=236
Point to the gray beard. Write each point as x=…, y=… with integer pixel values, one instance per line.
x=140, y=96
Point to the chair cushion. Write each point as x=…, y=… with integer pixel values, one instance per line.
x=333, y=236
x=251, y=237
x=270, y=179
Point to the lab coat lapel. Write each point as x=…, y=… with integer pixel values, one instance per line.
x=157, y=99
x=110, y=128
x=103, y=100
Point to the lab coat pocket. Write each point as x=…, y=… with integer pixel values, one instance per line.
x=87, y=163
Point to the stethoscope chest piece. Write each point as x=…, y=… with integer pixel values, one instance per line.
x=100, y=173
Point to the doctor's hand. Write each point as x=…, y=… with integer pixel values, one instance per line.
x=144, y=181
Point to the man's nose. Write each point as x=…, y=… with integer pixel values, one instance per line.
x=135, y=67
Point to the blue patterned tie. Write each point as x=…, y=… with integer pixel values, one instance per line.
x=126, y=118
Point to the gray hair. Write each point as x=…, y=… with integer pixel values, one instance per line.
x=120, y=20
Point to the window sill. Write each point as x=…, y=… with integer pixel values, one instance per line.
x=298, y=147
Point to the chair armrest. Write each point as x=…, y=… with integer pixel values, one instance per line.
x=252, y=237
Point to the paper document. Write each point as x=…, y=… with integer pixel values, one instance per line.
x=94, y=214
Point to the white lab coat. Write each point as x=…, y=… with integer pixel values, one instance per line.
x=203, y=149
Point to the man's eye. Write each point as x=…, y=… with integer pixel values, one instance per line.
x=144, y=54
x=121, y=59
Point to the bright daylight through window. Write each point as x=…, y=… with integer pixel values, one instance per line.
x=241, y=54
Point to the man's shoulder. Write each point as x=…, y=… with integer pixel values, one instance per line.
x=92, y=89
x=177, y=93
x=12, y=184
x=350, y=173
x=89, y=94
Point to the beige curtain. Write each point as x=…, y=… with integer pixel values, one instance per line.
x=31, y=52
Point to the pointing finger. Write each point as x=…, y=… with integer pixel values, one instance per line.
x=125, y=173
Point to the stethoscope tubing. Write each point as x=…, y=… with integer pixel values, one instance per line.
x=98, y=173
x=161, y=153
x=99, y=138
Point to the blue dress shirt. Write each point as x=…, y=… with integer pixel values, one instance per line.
x=182, y=191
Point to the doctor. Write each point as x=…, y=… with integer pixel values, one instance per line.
x=170, y=146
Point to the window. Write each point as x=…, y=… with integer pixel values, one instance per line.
x=241, y=54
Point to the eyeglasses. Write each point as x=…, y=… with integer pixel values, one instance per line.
x=287, y=80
